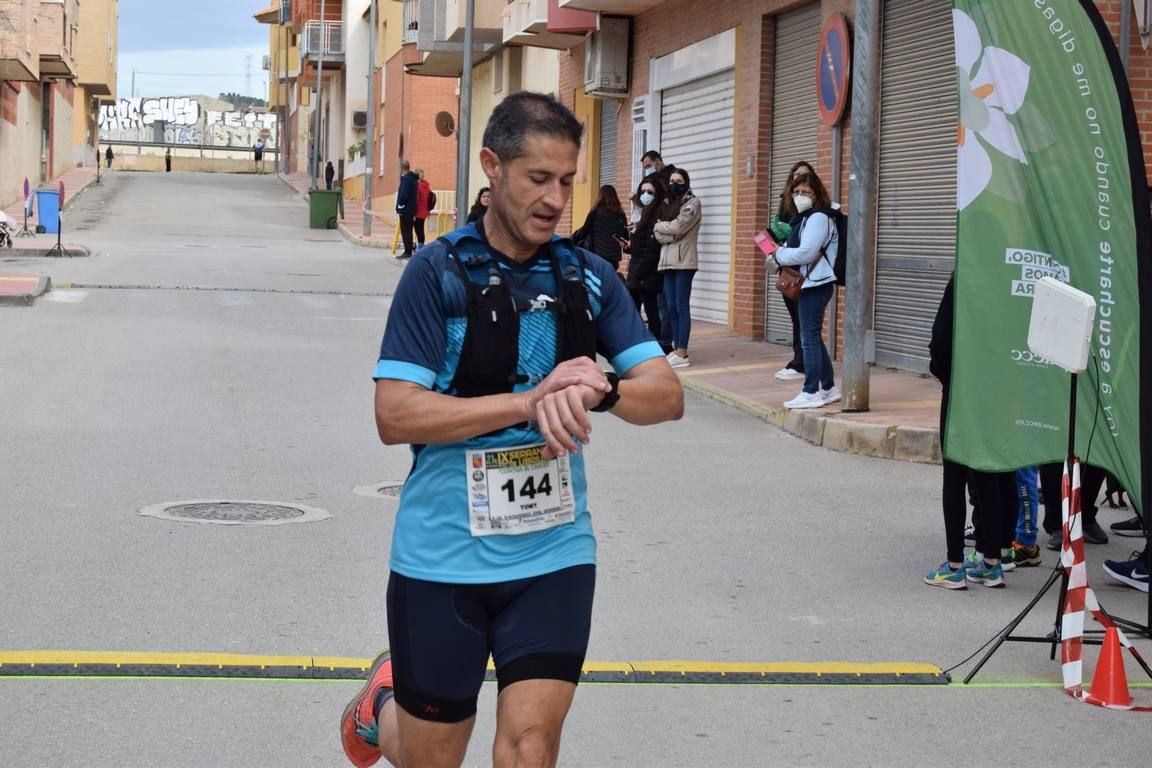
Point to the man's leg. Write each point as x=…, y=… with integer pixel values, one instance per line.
x=529, y=718
x=406, y=233
x=427, y=743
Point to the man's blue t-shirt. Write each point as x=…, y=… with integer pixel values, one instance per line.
x=432, y=539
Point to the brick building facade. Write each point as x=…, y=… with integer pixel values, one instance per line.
x=752, y=27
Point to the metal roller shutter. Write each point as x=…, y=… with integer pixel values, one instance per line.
x=609, y=113
x=795, y=122
x=916, y=213
x=696, y=124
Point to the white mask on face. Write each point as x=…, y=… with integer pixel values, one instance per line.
x=802, y=203
x=646, y=198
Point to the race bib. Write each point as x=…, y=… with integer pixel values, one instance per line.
x=516, y=490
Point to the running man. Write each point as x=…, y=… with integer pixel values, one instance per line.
x=488, y=369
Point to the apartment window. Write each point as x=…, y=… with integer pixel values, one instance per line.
x=411, y=20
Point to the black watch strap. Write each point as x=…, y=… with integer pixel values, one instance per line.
x=612, y=396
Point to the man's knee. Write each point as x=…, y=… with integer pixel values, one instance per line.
x=537, y=746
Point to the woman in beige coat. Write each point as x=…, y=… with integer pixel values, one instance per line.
x=678, y=231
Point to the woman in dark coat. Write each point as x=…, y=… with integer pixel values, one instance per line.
x=604, y=227
x=480, y=207
x=644, y=280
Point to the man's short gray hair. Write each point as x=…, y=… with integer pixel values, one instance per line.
x=405, y=165
x=525, y=113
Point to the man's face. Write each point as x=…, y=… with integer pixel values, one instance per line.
x=529, y=193
x=656, y=165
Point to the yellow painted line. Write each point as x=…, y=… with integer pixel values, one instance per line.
x=153, y=658
x=725, y=369
x=798, y=667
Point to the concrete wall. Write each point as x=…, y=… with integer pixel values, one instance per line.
x=61, y=157
x=155, y=163
x=20, y=143
x=356, y=98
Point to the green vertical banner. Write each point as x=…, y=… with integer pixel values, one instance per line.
x=1050, y=182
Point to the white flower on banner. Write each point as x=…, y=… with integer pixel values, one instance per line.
x=987, y=97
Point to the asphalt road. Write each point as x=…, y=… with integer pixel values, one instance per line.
x=213, y=347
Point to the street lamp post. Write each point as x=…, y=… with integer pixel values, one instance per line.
x=369, y=142
x=464, y=124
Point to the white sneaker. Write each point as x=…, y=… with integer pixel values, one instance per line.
x=830, y=395
x=676, y=361
x=805, y=400
x=788, y=374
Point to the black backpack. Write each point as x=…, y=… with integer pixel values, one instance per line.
x=840, y=221
x=431, y=201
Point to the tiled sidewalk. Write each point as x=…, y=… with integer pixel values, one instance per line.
x=904, y=407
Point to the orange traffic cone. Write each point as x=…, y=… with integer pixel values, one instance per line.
x=1110, y=684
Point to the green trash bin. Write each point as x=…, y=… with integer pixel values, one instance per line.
x=323, y=208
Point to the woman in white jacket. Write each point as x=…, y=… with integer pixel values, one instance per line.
x=678, y=233
x=812, y=248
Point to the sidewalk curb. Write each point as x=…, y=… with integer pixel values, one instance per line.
x=43, y=285
x=75, y=250
x=914, y=444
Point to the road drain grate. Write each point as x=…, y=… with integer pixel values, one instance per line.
x=234, y=512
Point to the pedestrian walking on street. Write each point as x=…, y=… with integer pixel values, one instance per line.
x=480, y=207
x=811, y=248
x=498, y=427
x=406, y=205
x=780, y=228
x=109, y=156
x=168, y=160
x=329, y=175
x=678, y=231
x=644, y=280
x=258, y=153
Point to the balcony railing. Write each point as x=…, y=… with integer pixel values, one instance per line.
x=411, y=20
x=329, y=34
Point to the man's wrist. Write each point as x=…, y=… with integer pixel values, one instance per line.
x=611, y=397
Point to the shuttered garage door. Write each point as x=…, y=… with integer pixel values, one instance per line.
x=609, y=120
x=795, y=123
x=916, y=215
x=696, y=134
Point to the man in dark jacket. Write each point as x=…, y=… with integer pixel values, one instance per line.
x=654, y=167
x=406, y=205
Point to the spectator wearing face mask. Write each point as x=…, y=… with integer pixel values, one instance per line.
x=678, y=230
x=644, y=281
x=794, y=368
x=811, y=248
x=654, y=167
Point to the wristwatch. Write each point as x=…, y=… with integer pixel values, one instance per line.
x=612, y=396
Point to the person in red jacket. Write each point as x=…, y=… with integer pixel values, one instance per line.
x=425, y=201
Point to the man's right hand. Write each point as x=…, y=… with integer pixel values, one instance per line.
x=560, y=404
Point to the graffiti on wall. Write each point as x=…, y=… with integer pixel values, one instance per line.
x=184, y=120
x=137, y=113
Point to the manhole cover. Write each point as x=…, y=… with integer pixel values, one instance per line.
x=234, y=512
x=390, y=489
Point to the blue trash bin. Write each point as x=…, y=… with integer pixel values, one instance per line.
x=48, y=204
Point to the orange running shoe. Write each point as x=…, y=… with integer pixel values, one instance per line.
x=359, y=730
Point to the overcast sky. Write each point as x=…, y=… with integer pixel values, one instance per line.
x=187, y=48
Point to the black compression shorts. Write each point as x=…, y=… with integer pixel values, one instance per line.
x=441, y=636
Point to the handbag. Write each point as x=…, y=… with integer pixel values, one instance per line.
x=789, y=281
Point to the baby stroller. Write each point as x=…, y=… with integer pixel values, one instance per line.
x=5, y=231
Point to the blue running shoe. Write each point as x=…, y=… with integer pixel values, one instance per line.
x=989, y=576
x=946, y=577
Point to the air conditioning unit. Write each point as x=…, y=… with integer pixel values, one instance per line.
x=606, y=59
x=640, y=111
x=360, y=119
